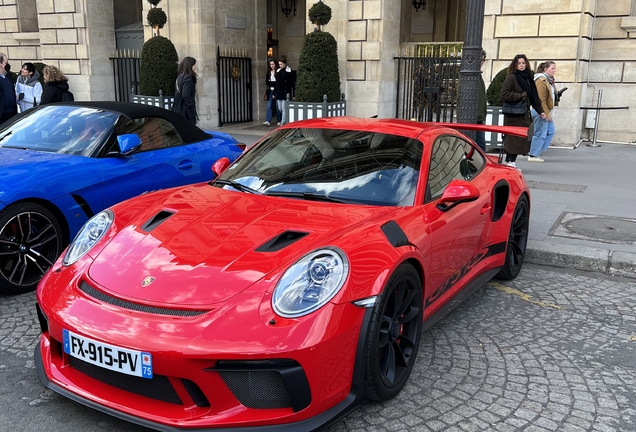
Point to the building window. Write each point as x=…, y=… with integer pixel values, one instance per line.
x=28, y=16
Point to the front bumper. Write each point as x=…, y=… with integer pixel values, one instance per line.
x=322, y=379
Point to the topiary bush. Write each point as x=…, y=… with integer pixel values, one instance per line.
x=156, y=18
x=318, y=73
x=158, y=69
x=493, y=94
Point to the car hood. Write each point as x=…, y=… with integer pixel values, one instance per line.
x=211, y=248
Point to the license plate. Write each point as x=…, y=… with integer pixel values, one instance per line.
x=130, y=362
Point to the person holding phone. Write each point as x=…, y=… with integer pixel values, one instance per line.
x=28, y=90
x=543, y=127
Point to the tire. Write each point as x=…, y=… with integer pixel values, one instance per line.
x=394, y=335
x=30, y=242
x=517, y=241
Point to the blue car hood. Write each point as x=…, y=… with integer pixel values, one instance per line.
x=44, y=174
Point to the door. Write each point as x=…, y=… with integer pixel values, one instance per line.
x=163, y=161
x=456, y=234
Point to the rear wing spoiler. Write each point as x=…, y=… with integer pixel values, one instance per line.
x=505, y=130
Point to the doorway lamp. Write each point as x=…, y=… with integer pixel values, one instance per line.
x=417, y=4
x=287, y=6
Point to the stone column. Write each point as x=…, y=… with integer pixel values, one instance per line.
x=471, y=64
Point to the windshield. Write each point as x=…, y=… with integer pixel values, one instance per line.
x=59, y=129
x=338, y=165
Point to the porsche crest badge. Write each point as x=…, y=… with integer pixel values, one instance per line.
x=147, y=281
x=236, y=72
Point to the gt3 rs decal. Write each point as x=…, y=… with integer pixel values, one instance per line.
x=489, y=251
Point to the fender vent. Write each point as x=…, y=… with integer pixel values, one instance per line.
x=281, y=241
x=156, y=220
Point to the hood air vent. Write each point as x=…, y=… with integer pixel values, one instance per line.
x=157, y=220
x=281, y=241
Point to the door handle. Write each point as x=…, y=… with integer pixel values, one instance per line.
x=186, y=165
x=485, y=209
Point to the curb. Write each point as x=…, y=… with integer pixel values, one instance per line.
x=605, y=261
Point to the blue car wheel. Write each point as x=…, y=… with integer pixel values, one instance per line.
x=30, y=242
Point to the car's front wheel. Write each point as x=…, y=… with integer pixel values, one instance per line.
x=394, y=335
x=517, y=240
x=30, y=242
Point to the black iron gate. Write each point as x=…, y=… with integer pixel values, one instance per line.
x=427, y=88
x=234, y=72
x=126, y=71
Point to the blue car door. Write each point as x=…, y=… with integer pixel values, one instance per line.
x=163, y=161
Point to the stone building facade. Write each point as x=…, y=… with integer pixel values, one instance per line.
x=592, y=41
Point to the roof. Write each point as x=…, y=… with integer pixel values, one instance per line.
x=189, y=132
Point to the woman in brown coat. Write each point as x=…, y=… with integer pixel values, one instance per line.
x=519, y=85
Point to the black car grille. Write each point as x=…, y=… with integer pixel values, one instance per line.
x=158, y=387
x=101, y=296
x=257, y=389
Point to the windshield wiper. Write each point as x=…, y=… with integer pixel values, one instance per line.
x=308, y=196
x=238, y=186
x=6, y=135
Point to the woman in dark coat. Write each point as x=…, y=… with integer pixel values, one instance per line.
x=519, y=85
x=185, y=88
x=55, y=84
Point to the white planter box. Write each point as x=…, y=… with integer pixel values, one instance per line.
x=159, y=101
x=308, y=110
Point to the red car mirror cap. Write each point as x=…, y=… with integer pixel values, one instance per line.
x=458, y=191
x=220, y=165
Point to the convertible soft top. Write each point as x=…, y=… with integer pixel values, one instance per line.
x=189, y=132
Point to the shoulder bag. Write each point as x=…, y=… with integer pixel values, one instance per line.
x=517, y=108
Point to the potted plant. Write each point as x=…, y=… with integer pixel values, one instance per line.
x=159, y=60
x=318, y=79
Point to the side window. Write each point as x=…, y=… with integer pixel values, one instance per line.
x=452, y=158
x=155, y=133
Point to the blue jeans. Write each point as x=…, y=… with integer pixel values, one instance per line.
x=271, y=107
x=543, y=134
x=282, y=109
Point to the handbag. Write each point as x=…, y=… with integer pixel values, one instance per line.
x=517, y=108
x=266, y=96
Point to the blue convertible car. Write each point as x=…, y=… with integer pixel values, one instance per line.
x=62, y=163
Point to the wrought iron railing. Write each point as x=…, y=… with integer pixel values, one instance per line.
x=126, y=64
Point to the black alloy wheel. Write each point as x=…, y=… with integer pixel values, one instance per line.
x=30, y=242
x=394, y=335
x=517, y=241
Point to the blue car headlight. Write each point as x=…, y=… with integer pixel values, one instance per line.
x=310, y=283
x=89, y=235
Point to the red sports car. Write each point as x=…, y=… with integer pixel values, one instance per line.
x=281, y=294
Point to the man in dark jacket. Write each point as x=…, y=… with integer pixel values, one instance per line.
x=8, y=105
x=285, y=85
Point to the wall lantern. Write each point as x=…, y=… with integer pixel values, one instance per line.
x=417, y=4
x=287, y=6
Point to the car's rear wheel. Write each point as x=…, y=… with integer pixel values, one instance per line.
x=517, y=241
x=394, y=335
x=30, y=242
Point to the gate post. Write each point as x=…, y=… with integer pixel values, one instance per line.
x=471, y=64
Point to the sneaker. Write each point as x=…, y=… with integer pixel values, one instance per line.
x=512, y=164
x=266, y=123
x=278, y=124
x=535, y=159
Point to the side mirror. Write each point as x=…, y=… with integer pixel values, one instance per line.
x=128, y=143
x=457, y=192
x=220, y=165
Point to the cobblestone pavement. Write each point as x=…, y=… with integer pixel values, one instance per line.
x=553, y=350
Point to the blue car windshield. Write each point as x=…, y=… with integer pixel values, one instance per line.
x=348, y=166
x=59, y=129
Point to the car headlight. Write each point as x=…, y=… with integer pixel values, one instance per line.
x=310, y=283
x=88, y=236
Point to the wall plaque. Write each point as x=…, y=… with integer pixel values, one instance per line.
x=236, y=22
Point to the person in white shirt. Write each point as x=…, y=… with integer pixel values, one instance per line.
x=28, y=90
